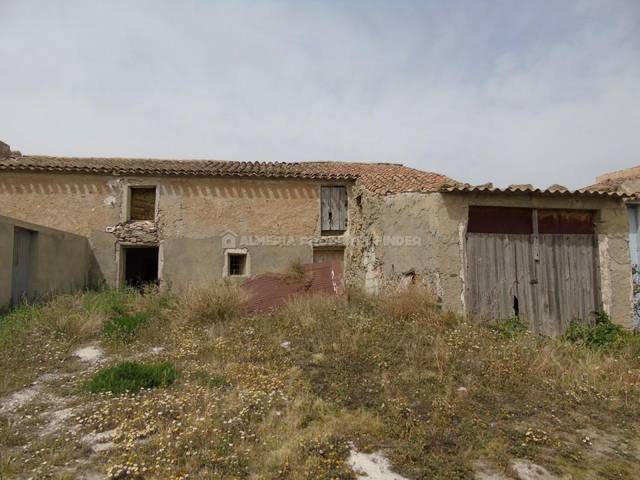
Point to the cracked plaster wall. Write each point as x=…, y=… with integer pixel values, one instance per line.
x=381, y=256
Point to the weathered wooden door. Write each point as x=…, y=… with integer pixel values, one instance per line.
x=491, y=275
x=333, y=209
x=548, y=277
x=564, y=285
x=21, y=264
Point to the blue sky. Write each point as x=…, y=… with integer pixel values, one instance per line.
x=535, y=92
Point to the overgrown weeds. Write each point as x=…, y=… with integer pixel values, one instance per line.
x=124, y=327
x=131, y=377
x=209, y=304
x=287, y=394
x=295, y=270
x=509, y=328
x=604, y=335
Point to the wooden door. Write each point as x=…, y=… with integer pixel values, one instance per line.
x=547, y=278
x=567, y=287
x=21, y=265
x=491, y=275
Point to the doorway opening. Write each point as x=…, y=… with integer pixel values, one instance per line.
x=140, y=266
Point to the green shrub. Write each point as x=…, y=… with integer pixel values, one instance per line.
x=123, y=328
x=131, y=377
x=604, y=335
x=509, y=328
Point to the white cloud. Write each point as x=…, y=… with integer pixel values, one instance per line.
x=480, y=91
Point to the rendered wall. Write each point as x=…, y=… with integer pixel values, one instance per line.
x=59, y=261
x=424, y=234
x=6, y=263
x=277, y=221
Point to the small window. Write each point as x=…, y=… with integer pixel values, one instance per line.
x=333, y=210
x=142, y=203
x=237, y=264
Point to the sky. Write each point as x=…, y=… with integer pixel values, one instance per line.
x=536, y=92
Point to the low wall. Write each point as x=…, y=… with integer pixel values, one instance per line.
x=59, y=261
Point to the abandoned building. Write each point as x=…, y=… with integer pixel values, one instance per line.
x=548, y=256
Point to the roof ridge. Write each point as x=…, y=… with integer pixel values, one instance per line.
x=382, y=178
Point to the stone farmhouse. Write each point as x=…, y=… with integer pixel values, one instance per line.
x=549, y=256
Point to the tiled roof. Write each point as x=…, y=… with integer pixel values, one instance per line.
x=381, y=178
x=554, y=190
x=618, y=182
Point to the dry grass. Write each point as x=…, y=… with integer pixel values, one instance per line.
x=208, y=305
x=295, y=271
x=285, y=394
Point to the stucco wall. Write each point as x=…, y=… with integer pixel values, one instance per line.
x=276, y=220
x=424, y=233
x=59, y=261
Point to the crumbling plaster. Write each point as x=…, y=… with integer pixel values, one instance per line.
x=407, y=234
x=194, y=213
x=380, y=258
x=279, y=218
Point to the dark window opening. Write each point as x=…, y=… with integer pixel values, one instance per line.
x=333, y=213
x=509, y=220
x=140, y=266
x=142, y=203
x=237, y=263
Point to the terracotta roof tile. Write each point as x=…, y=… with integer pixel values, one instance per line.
x=380, y=178
x=619, y=182
x=556, y=190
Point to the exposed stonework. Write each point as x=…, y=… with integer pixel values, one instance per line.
x=331, y=241
x=142, y=232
